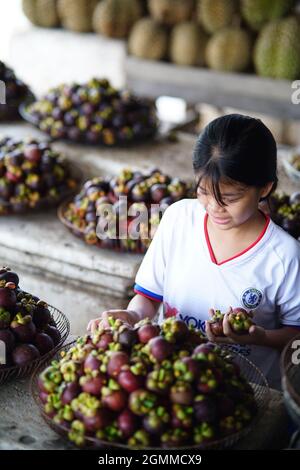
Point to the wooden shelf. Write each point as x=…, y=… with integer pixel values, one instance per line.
x=196, y=85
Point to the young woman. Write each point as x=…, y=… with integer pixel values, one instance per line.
x=220, y=251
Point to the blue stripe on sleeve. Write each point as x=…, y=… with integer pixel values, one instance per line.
x=150, y=294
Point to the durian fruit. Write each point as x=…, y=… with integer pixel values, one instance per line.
x=148, y=40
x=229, y=50
x=76, y=15
x=41, y=12
x=115, y=18
x=259, y=12
x=277, y=50
x=217, y=14
x=187, y=44
x=170, y=12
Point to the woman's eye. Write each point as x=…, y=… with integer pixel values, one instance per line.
x=231, y=201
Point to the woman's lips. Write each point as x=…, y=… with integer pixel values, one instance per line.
x=220, y=220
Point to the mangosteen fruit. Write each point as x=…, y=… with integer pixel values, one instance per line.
x=115, y=400
x=92, y=363
x=140, y=192
x=24, y=328
x=127, y=423
x=141, y=402
x=32, y=153
x=182, y=393
x=5, y=318
x=43, y=342
x=127, y=337
x=129, y=381
x=97, y=421
x=54, y=333
x=9, y=276
x=240, y=320
x=156, y=421
x=116, y=361
x=71, y=391
x=175, y=330
x=158, y=192
x=24, y=354
x=41, y=314
x=147, y=332
x=104, y=341
x=205, y=409
x=8, y=298
x=216, y=323
x=160, y=348
x=187, y=369
x=93, y=385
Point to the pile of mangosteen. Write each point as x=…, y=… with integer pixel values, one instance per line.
x=154, y=191
x=239, y=319
x=15, y=92
x=285, y=211
x=94, y=112
x=147, y=385
x=31, y=174
x=26, y=325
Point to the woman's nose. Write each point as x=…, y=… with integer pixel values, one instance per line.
x=215, y=206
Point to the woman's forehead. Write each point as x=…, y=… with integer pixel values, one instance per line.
x=226, y=187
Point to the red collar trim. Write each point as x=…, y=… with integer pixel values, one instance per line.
x=212, y=255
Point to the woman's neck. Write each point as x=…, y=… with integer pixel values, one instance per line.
x=226, y=244
x=253, y=226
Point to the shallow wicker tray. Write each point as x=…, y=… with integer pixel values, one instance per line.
x=46, y=202
x=80, y=232
x=16, y=372
x=25, y=114
x=248, y=369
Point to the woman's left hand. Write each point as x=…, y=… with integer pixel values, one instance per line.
x=256, y=335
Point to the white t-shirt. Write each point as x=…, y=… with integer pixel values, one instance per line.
x=179, y=270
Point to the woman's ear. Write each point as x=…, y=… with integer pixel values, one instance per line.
x=266, y=190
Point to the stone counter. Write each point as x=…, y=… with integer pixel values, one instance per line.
x=22, y=427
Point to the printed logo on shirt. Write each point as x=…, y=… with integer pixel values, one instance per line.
x=193, y=321
x=169, y=311
x=244, y=349
x=251, y=298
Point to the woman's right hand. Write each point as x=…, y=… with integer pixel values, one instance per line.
x=127, y=316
